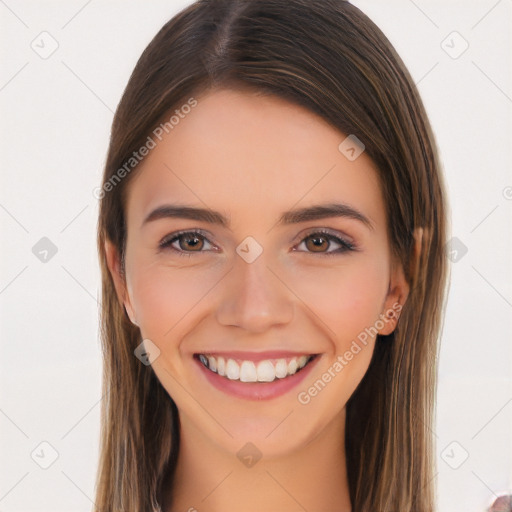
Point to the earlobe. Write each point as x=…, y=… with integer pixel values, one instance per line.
x=390, y=318
x=397, y=295
x=399, y=287
x=114, y=265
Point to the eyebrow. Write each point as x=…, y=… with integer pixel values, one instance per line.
x=296, y=216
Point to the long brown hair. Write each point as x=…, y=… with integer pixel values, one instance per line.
x=329, y=57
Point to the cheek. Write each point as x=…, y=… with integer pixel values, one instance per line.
x=347, y=298
x=348, y=301
x=163, y=296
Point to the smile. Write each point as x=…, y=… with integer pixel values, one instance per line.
x=266, y=370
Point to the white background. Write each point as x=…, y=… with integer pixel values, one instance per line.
x=55, y=122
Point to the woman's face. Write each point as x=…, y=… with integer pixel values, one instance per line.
x=279, y=278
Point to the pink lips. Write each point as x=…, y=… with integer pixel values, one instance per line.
x=255, y=390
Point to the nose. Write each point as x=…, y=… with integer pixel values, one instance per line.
x=254, y=297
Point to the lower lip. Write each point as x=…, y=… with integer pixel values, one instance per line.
x=256, y=390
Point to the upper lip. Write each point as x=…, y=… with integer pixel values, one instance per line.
x=256, y=356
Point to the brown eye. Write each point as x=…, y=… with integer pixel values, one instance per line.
x=190, y=242
x=185, y=243
x=317, y=243
x=320, y=243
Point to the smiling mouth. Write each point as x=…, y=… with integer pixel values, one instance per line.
x=266, y=370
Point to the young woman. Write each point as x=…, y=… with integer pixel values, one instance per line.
x=271, y=239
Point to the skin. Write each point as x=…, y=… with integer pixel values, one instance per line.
x=253, y=157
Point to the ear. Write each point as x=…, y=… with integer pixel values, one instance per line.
x=399, y=288
x=114, y=265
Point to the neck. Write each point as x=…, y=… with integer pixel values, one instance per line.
x=209, y=479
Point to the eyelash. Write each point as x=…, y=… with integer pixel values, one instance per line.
x=346, y=246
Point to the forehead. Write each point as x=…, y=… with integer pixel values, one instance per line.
x=250, y=156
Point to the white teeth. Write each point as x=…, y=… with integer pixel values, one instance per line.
x=281, y=369
x=212, y=364
x=292, y=366
x=232, y=370
x=221, y=366
x=265, y=371
x=248, y=372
